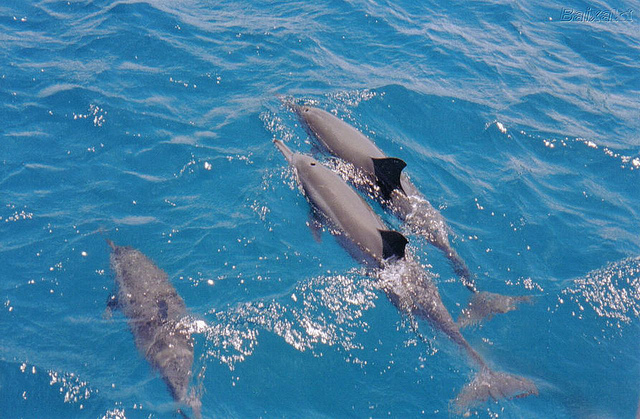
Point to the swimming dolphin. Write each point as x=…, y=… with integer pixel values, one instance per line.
x=394, y=189
x=345, y=209
x=404, y=281
x=349, y=144
x=154, y=311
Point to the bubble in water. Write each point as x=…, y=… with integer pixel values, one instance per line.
x=612, y=292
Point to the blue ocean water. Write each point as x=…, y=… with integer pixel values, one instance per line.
x=151, y=123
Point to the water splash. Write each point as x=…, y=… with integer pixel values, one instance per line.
x=114, y=413
x=326, y=310
x=613, y=292
x=274, y=124
x=74, y=389
x=353, y=98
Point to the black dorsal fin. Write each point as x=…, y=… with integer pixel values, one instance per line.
x=388, y=171
x=393, y=244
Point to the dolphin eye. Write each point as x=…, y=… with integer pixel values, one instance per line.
x=306, y=109
x=312, y=164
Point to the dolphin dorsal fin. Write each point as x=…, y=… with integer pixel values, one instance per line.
x=388, y=171
x=393, y=244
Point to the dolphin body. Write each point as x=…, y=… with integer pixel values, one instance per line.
x=393, y=186
x=154, y=310
x=343, y=207
x=404, y=281
x=394, y=189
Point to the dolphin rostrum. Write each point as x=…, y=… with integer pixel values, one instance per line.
x=394, y=189
x=404, y=281
x=154, y=311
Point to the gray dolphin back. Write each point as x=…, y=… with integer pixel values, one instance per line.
x=346, y=142
x=349, y=144
x=345, y=208
x=339, y=137
x=154, y=311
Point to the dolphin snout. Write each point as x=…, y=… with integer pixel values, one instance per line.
x=286, y=151
x=291, y=104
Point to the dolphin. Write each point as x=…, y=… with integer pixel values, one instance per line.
x=154, y=311
x=392, y=185
x=404, y=281
x=393, y=189
x=336, y=201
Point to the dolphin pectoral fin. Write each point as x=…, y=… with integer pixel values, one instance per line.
x=484, y=305
x=112, y=304
x=315, y=226
x=491, y=385
x=388, y=171
x=393, y=244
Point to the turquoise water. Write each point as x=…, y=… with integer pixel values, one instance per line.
x=152, y=122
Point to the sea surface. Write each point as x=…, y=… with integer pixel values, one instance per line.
x=151, y=123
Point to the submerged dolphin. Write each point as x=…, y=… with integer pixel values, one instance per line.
x=154, y=311
x=394, y=189
x=405, y=282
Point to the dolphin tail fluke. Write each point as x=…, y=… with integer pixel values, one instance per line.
x=388, y=171
x=491, y=385
x=393, y=244
x=484, y=305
